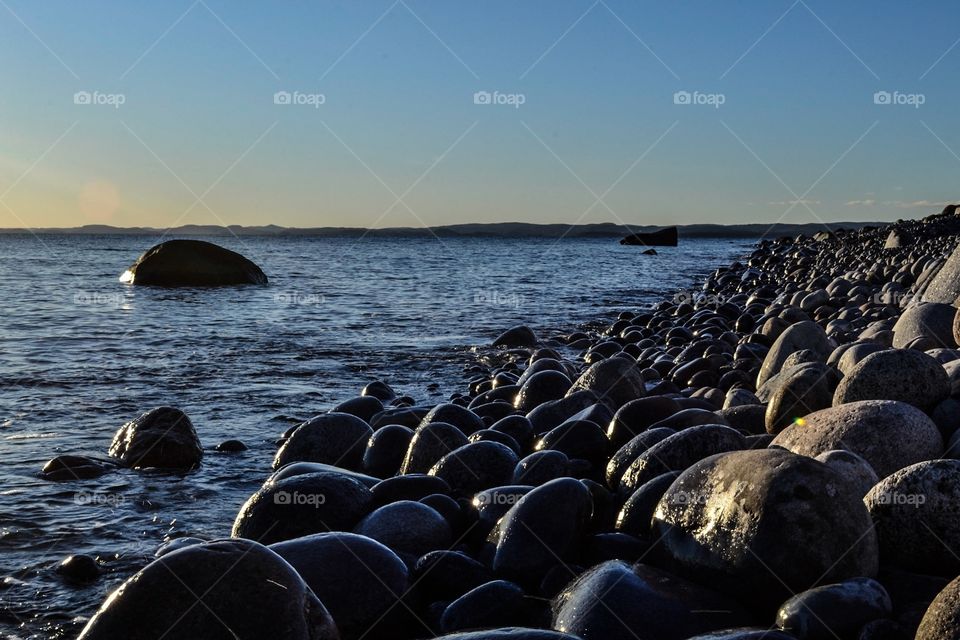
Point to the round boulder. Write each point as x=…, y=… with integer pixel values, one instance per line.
x=339, y=439
x=192, y=263
x=163, y=437
x=895, y=374
x=942, y=619
x=931, y=320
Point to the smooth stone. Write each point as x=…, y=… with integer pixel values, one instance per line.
x=835, y=610
x=79, y=569
x=410, y=529
x=854, y=353
x=945, y=285
x=541, y=467
x=339, y=439
x=379, y=390
x=577, y=439
x=616, y=381
x=462, y=418
x=889, y=435
x=412, y=486
x=686, y=418
x=800, y=390
x=192, y=263
x=624, y=457
x=748, y=418
x=517, y=337
x=678, y=452
x=542, y=386
x=895, y=374
x=70, y=467
x=429, y=444
x=541, y=530
x=300, y=505
x=176, y=544
x=802, y=335
x=616, y=601
x=855, y=469
x=551, y=414
x=518, y=428
x=163, y=438
x=637, y=512
x=509, y=633
x=231, y=446
x=386, y=449
x=491, y=505
x=364, y=407
x=360, y=581
x=447, y=574
x=931, y=320
x=489, y=435
x=475, y=467
x=602, y=547
x=300, y=468
x=942, y=618
x=637, y=416
x=246, y=589
x=763, y=525
x=916, y=511
x=404, y=416
x=495, y=604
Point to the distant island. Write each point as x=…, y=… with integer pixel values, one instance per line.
x=470, y=230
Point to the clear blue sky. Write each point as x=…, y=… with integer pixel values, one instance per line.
x=399, y=139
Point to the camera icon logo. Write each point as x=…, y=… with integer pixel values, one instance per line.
x=482, y=97
x=281, y=497
x=682, y=97
x=882, y=97
x=282, y=97
x=82, y=97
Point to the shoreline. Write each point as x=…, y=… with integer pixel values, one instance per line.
x=780, y=412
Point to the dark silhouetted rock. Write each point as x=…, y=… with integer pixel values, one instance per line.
x=835, y=610
x=339, y=439
x=192, y=263
x=163, y=437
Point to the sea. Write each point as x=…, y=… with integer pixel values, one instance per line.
x=82, y=353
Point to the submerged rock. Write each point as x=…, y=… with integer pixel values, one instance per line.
x=247, y=592
x=163, y=437
x=192, y=263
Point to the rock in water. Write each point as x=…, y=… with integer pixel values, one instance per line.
x=247, y=592
x=541, y=530
x=614, y=601
x=917, y=516
x=942, y=619
x=192, y=263
x=889, y=435
x=519, y=336
x=895, y=374
x=163, y=437
x=339, y=439
x=763, y=525
x=359, y=580
x=835, y=610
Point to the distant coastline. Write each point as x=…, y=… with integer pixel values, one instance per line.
x=473, y=230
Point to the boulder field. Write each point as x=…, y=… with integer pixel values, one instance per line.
x=768, y=457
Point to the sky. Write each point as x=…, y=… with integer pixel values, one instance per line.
x=380, y=113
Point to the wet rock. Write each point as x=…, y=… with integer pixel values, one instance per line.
x=301, y=505
x=577, y=439
x=475, y=467
x=177, y=543
x=616, y=381
x=192, y=263
x=889, y=435
x=543, y=529
x=518, y=336
x=930, y=320
x=550, y=414
x=462, y=418
x=246, y=589
x=386, y=449
x=615, y=601
x=429, y=444
x=300, y=468
x=495, y=604
x=79, y=569
x=802, y=335
x=855, y=469
x=339, y=439
x=835, y=610
x=410, y=529
x=509, y=633
x=917, y=516
x=518, y=428
x=541, y=387
x=493, y=504
x=231, y=446
x=364, y=407
x=403, y=415
x=637, y=512
x=624, y=457
x=686, y=418
x=489, y=435
x=68, y=467
x=799, y=391
x=541, y=467
x=379, y=390
x=637, y=416
x=744, y=633
x=412, y=486
x=895, y=374
x=678, y=452
x=163, y=437
x=447, y=575
x=724, y=522
x=360, y=581
x=942, y=619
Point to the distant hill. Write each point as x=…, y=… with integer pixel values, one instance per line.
x=470, y=230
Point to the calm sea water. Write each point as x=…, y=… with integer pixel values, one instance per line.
x=81, y=353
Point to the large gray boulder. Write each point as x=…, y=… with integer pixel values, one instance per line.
x=192, y=263
x=930, y=320
x=765, y=524
x=942, y=619
x=945, y=286
x=889, y=435
x=616, y=381
x=221, y=590
x=801, y=335
x=895, y=374
x=163, y=437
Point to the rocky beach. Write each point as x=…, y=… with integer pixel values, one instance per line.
x=772, y=455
